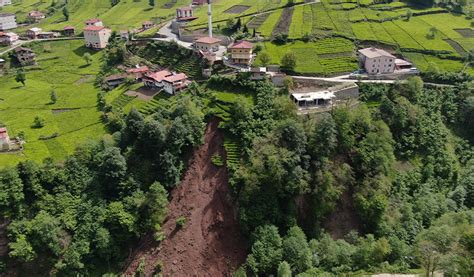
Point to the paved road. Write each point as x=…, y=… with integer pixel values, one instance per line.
x=345, y=78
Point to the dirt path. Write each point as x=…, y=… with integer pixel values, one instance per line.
x=210, y=243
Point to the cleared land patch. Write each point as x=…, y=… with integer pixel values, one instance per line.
x=466, y=32
x=283, y=25
x=237, y=9
x=257, y=21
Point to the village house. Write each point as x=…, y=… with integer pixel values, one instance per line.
x=184, y=13
x=5, y=2
x=33, y=33
x=147, y=25
x=312, y=99
x=155, y=79
x=207, y=44
x=94, y=22
x=25, y=56
x=323, y=95
x=115, y=80
x=96, y=37
x=7, y=21
x=241, y=52
x=47, y=35
x=35, y=16
x=4, y=139
x=376, y=61
x=271, y=72
x=8, y=38
x=138, y=72
x=258, y=73
x=124, y=35
x=175, y=83
x=69, y=31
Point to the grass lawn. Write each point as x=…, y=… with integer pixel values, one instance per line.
x=126, y=14
x=60, y=68
x=326, y=57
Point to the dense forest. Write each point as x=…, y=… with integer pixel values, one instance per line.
x=387, y=185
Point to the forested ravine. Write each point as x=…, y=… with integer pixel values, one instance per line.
x=210, y=239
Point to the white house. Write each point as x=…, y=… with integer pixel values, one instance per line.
x=94, y=22
x=5, y=2
x=7, y=21
x=376, y=61
x=175, y=83
x=4, y=139
x=96, y=37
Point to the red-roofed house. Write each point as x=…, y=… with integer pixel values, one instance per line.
x=241, y=52
x=155, y=79
x=97, y=37
x=138, y=72
x=94, y=22
x=69, y=31
x=8, y=38
x=184, y=13
x=207, y=44
x=4, y=139
x=175, y=83
x=35, y=16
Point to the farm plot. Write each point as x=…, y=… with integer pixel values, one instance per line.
x=301, y=22
x=237, y=9
x=257, y=21
x=465, y=32
x=267, y=27
x=71, y=121
x=324, y=57
x=284, y=22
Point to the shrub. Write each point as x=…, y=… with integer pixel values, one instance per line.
x=38, y=122
x=180, y=222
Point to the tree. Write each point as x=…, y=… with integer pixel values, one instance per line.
x=266, y=252
x=38, y=122
x=264, y=58
x=66, y=13
x=151, y=3
x=284, y=270
x=288, y=61
x=409, y=14
x=53, y=96
x=230, y=23
x=433, y=32
x=288, y=83
x=296, y=250
x=87, y=57
x=254, y=32
x=20, y=76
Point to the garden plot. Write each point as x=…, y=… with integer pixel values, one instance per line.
x=466, y=32
x=237, y=9
x=284, y=23
x=257, y=21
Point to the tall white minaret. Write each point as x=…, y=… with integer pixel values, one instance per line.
x=209, y=15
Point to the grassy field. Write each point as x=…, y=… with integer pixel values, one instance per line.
x=126, y=14
x=324, y=57
x=60, y=68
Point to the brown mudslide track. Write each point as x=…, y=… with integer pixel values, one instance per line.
x=210, y=243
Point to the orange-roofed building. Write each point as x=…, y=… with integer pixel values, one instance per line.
x=155, y=79
x=207, y=44
x=94, y=22
x=241, y=52
x=175, y=83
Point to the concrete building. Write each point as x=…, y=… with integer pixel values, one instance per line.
x=312, y=99
x=241, y=52
x=7, y=21
x=184, y=13
x=376, y=61
x=155, y=79
x=94, y=22
x=5, y=2
x=96, y=37
x=35, y=16
x=25, y=56
x=4, y=139
x=175, y=83
x=8, y=38
x=33, y=33
x=207, y=44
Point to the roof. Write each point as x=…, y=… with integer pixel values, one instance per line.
x=159, y=76
x=93, y=20
x=2, y=60
x=242, y=44
x=310, y=96
x=258, y=69
x=184, y=9
x=147, y=23
x=114, y=77
x=401, y=62
x=373, y=52
x=35, y=13
x=208, y=40
x=35, y=29
x=141, y=69
x=176, y=78
x=93, y=28
x=68, y=28
x=9, y=34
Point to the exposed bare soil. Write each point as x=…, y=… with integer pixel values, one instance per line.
x=210, y=243
x=284, y=23
x=143, y=93
x=343, y=219
x=237, y=9
x=467, y=32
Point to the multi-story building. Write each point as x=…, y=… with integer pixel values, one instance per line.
x=96, y=37
x=7, y=21
x=35, y=16
x=207, y=44
x=5, y=2
x=241, y=52
x=184, y=13
x=33, y=33
x=94, y=22
x=175, y=83
x=8, y=38
x=25, y=56
x=376, y=61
